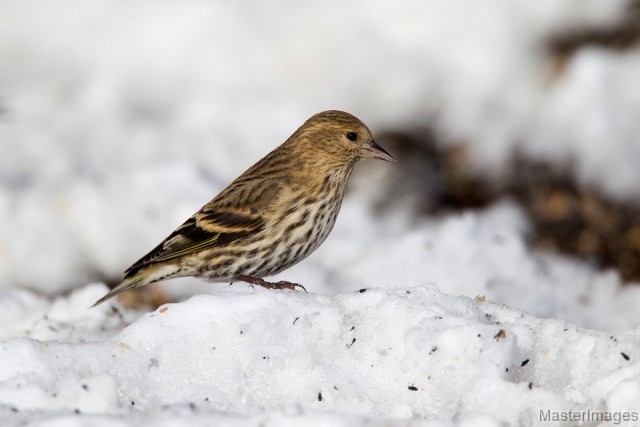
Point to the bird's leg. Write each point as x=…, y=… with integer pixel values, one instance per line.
x=283, y=284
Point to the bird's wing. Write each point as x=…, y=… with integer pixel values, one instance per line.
x=220, y=222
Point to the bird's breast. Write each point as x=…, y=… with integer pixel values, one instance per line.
x=300, y=229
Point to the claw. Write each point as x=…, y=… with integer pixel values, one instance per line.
x=289, y=285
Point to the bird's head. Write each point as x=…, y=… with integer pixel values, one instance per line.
x=339, y=138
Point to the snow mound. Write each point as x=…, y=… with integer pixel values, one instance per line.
x=248, y=354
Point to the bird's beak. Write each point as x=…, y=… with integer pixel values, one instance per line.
x=374, y=151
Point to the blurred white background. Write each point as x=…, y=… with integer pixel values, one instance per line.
x=119, y=119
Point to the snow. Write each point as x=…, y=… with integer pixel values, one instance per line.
x=118, y=120
x=381, y=353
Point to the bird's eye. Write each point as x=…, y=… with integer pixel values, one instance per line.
x=352, y=136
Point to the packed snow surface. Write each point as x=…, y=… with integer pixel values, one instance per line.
x=118, y=120
x=382, y=353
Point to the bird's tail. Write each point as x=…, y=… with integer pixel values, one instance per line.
x=122, y=287
x=149, y=274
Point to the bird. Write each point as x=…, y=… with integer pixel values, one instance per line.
x=271, y=217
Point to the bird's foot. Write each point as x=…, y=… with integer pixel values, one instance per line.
x=283, y=284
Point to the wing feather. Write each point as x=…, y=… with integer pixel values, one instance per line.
x=218, y=223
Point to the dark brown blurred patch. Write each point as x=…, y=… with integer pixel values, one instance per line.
x=438, y=175
x=565, y=217
x=577, y=220
x=619, y=36
x=145, y=298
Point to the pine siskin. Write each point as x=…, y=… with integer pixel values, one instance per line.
x=271, y=217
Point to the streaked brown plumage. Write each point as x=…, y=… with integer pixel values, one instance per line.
x=272, y=216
